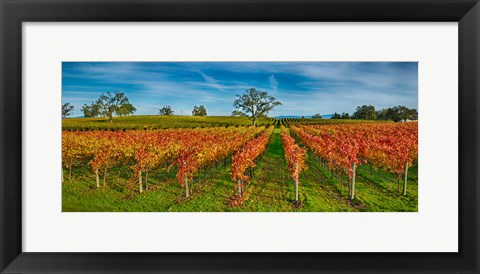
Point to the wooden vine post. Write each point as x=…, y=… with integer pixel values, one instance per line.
x=405, y=180
x=239, y=187
x=140, y=184
x=187, y=193
x=97, y=177
x=296, y=183
x=146, y=180
x=105, y=177
x=352, y=185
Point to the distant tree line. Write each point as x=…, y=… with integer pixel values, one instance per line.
x=197, y=111
x=397, y=114
x=344, y=115
x=108, y=105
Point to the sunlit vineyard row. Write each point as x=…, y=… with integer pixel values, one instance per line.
x=295, y=157
x=149, y=160
x=392, y=147
x=246, y=159
x=186, y=150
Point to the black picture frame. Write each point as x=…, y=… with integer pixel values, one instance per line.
x=14, y=12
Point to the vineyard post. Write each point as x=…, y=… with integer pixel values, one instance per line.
x=239, y=187
x=98, y=179
x=296, y=183
x=187, y=193
x=146, y=180
x=190, y=188
x=405, y=180
x=140, y=184
x=352, y=188
x=105, y=177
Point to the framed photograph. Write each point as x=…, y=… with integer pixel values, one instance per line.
x=239, y=136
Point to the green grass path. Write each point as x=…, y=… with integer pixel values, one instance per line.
x=272, y=188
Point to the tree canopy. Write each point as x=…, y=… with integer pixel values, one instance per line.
x=397, y=113
x=67, y=110
x=166, y=110
x=199, y=111
x=254, y=103
x=365, y=113
x=345, y=115
x=91, y=110
x=238, y=113
x=336, y=116
x=109, y=104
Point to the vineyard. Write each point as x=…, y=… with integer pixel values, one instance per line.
x=342, y=148
x=294, y=166
x=153, y=122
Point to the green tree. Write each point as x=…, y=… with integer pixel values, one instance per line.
x=91, y=110
x=238, y=113
x=384, y=114
x=413, y=114
x=109, y=104
x=67, y=110
x=365, y=113
x=126, y=109
x=166, y=110
x=345, y=115
x=397, y=113
x=255, y=103
x=336, y=116
x=402, y=113
x=199, y=111
x=317, y=116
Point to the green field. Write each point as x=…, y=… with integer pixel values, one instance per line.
x=271, y=188
x=158, y=122
x=144, y=122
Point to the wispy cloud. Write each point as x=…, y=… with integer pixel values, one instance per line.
x=211, y=81
x=273, y=83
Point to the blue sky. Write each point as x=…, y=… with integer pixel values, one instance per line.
x=304, y=88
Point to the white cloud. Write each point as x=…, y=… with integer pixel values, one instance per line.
x=273, y=83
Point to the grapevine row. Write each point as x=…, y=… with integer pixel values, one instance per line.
x=188, y=149
x=390, y=146
x=245, y=158
x=295, y=157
